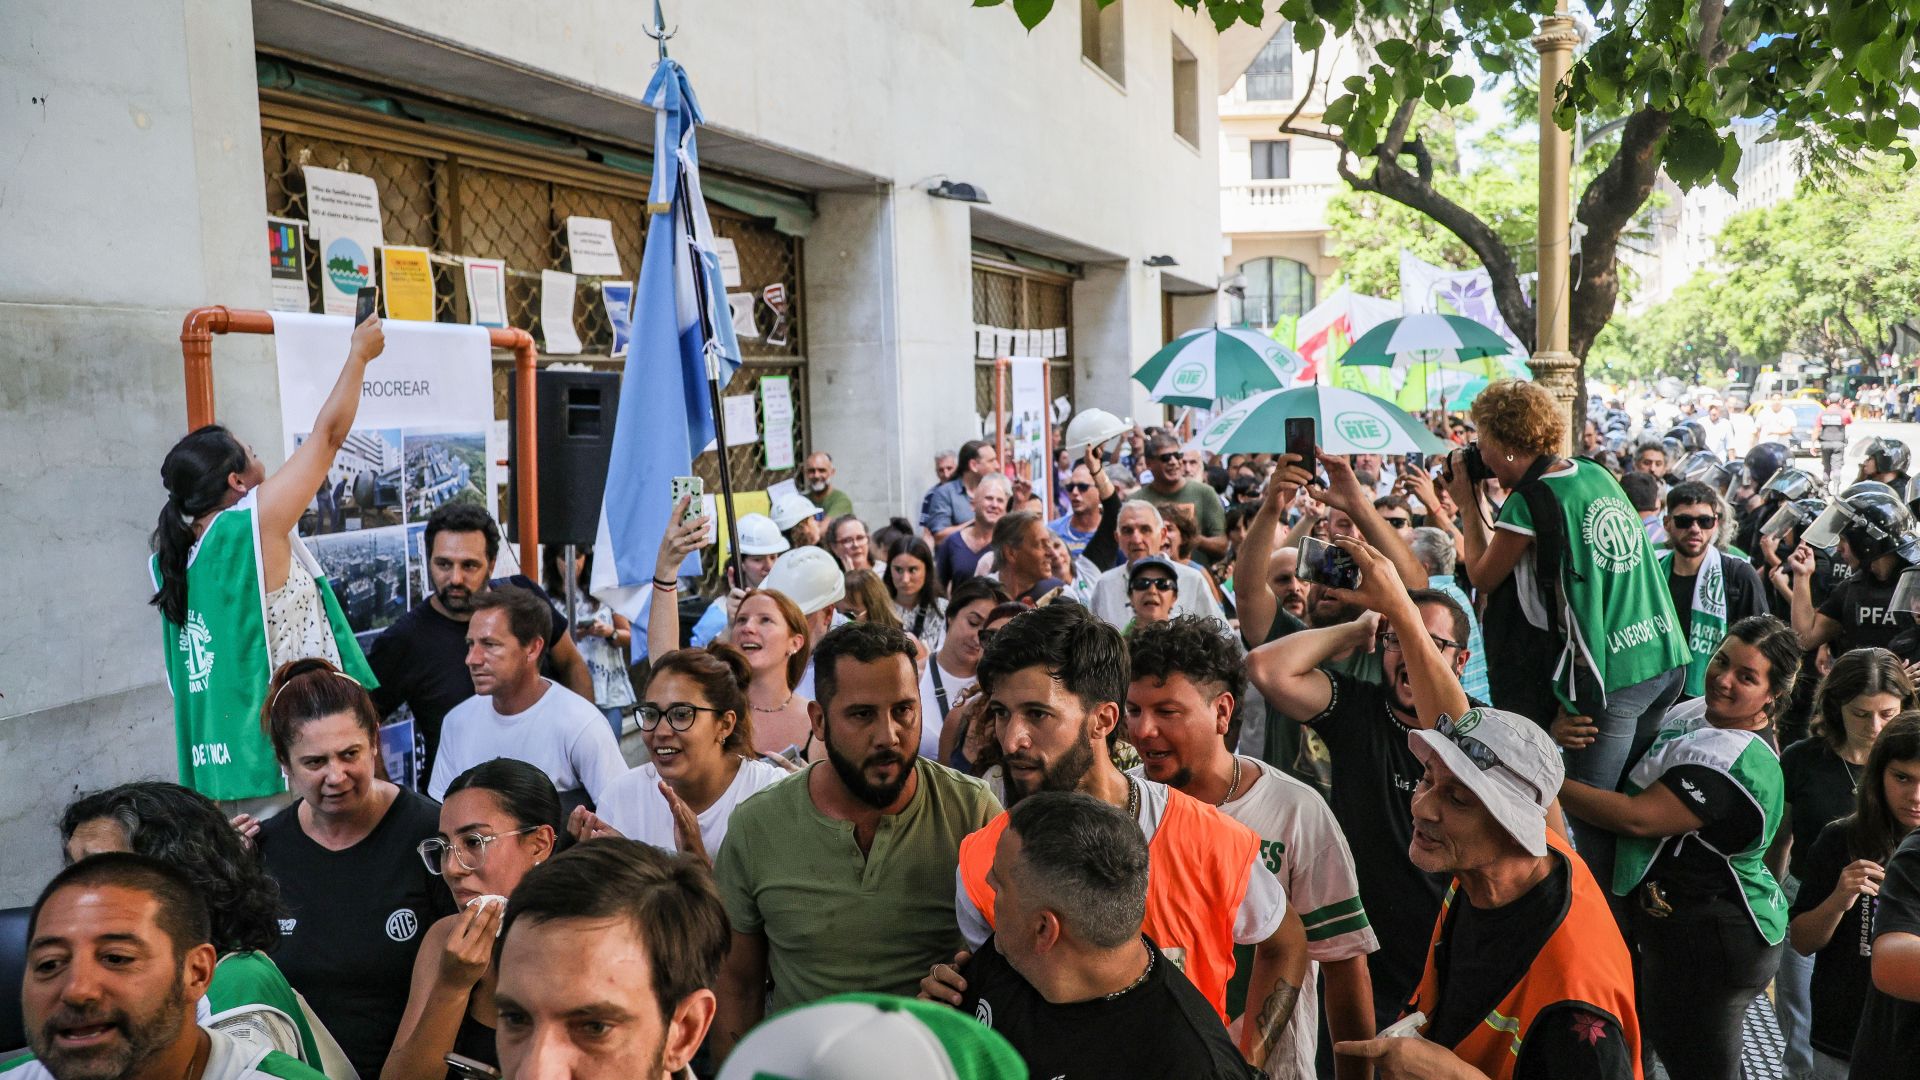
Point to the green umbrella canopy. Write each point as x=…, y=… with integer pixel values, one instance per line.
x=1203, y=367
x=1452, y=336
x=1345, y=422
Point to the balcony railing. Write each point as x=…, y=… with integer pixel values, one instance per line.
x=1275, y=206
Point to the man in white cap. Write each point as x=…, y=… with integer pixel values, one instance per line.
x=798, y=518
x=1527, y=976
x=760, y=544
x=813, y=580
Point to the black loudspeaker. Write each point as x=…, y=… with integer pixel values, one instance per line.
x=574, y=412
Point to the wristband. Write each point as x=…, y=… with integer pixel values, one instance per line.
x=666, y=586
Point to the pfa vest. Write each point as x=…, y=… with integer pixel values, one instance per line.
x=1199, y=859
x=1585, y=960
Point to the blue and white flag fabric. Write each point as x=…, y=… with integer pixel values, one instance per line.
x=682, y=334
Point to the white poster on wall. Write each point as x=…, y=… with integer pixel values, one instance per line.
x=486, y=291
x=343, y=210
x=590, y=247
x=557, y=293
x=729, y=254
x=776, y=411
x=1025, y=437
x=419, y=442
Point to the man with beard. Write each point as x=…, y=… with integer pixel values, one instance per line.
x=1055, y=679
x=1364, y=725
x=836, y=879
x=421, y=660
x=607, y=954
x=119, y=954
x=831, y=500
x=1710, y=592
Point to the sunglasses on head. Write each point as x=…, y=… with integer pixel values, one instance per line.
x=1160, y=583
x=1689, y=521
x=1477, y=752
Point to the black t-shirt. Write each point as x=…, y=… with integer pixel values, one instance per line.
x=1373, y=777
x=421, y=662
x=1162, y=1029
x=1889, y=1040
x=354, y=921
x=1485, y=953
x=1745, y=596
x=1689, y=865
x=1861, y=605
x=1819, y=787
x=1844, y=965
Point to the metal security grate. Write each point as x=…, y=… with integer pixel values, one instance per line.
x=458, y=193
x=1020, y=299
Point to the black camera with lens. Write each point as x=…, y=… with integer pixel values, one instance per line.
x=1477, y=469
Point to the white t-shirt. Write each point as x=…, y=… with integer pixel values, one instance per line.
x=1194, y=596
x=563, y=735
x=633, y=804
x=1261, y=909
x=1302, y=846
x=932, y=716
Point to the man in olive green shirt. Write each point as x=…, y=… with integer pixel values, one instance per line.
x=818, y=472
x=1172, y=486
x=840, y=877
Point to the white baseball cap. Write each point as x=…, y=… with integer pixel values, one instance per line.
x=873, y=1037
x=1507, y=761
x=790, y=509
x=760, y=536
x=809, y=577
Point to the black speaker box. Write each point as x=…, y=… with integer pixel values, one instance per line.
x=574, y=411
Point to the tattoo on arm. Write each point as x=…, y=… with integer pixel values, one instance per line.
x=1274, y=1015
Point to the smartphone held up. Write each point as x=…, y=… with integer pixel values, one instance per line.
x=1327, y=564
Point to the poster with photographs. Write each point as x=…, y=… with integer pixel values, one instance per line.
x=418, y=444
x=1025, y=425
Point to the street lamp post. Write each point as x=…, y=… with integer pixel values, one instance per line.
x=1553, y=365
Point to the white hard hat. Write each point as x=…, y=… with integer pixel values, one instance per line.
x=1093, y=426
x=809, y=577
x=790, y=509
x=760, y=536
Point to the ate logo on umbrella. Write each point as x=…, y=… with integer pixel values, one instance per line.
x=1363, y=431
x=1190, y=378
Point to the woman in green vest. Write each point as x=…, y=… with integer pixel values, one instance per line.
x=1597, y=636
x=1695, y=819
x=238, y=592
x=248, y=997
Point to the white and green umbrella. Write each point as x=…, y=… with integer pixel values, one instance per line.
x=1425, y=337
x=1346, y=422
x=1203, y=367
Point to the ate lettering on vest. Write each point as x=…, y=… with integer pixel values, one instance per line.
x=1585, y=960
x=1198, y=862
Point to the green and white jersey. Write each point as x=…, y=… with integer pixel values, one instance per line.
x=251, y=1000
x=1618, y=617
x=1303, y=847
x=227, y=1059
x=1744, y=757
x=218, y=664
x=1708, y=626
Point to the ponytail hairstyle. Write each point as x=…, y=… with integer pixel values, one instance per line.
x=195, y=475
x=305, y=690
x=1872, y=833
x=522, y=790
x=1776, y=641
x=722, y=674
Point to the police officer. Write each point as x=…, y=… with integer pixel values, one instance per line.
x=1878, y=538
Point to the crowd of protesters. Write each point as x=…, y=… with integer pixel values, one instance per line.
x=1499, y=763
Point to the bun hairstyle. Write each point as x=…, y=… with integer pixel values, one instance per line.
x=195, y=475
x=722, y=674
x=305, y=690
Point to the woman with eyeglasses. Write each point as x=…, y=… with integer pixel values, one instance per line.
x=699, y=734
x=501, y=819
x=918, y=596
x=1694, y=821
x=355, y=895
x=847, y=540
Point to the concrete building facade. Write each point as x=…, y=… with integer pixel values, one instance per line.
x=148, y=143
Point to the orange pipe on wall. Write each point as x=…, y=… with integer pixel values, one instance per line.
x=196, y=348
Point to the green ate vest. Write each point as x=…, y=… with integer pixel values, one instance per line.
x=218, y=666
x=1618, y=619
x=1741, y=756
x=1707, y=626
x=246, y=982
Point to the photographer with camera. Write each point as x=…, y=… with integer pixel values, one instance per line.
x=1579, y=620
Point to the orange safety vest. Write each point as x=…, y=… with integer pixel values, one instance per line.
x=1198, y=861
x=1585, y=960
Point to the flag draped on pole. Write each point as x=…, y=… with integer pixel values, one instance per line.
x=682, y=337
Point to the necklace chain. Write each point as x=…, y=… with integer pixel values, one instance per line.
x=1234, y=787
x=1135, y=984
x=775, y=708
x=1133, y=800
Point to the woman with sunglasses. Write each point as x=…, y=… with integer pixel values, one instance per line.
x=501, y=819
x=1840, y=876
x=355, y=894
x=699, y=735
x=918, y=596
x=1694, y=823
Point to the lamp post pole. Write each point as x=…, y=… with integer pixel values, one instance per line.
x=1553, y=366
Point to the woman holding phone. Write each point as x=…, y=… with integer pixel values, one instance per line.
x=231, y=579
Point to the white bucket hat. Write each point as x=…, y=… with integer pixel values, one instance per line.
x=1507, y=761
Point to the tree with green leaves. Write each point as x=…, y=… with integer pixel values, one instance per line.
x=1838, y=79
